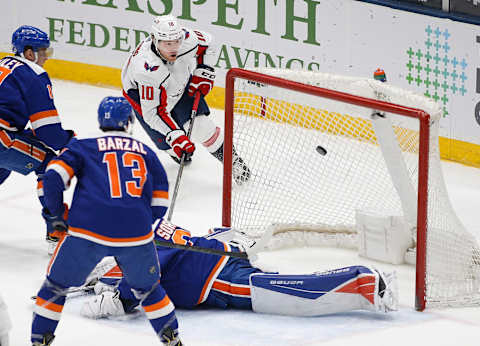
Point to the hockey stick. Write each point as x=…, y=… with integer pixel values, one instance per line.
x=85, y=289
x=249, y=254
x=182, y=159
x=201, y=249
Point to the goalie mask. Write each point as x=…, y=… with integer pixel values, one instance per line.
x=115, y=114
x=167, y=36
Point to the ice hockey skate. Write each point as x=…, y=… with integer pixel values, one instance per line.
x=241, y=172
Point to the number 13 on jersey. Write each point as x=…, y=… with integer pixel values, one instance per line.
x=131, y=162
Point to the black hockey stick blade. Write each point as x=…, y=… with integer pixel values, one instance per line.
x=201, y=249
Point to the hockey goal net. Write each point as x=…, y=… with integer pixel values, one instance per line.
x=319, y=148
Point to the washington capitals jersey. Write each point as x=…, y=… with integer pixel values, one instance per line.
x=188, y=276
x=121, y=189
x=26, y=95
x=153, y=86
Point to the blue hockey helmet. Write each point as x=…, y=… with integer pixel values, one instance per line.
x=115, y=113
x=29, y=36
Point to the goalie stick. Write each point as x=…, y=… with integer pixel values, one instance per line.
x=202, y=249
x=250, y=253
x=103, y=267
x=81, y=290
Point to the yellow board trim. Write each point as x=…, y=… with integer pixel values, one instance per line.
x=450, y=149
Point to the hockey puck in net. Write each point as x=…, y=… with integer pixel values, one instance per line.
x=321, y=150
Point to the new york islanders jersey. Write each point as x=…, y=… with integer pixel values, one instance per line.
x=121, y=189
x=154, y=86
x=188, y=276
x=26, y=95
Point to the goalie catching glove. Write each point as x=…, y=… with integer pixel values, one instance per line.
x=202, y=80
x=180, y=143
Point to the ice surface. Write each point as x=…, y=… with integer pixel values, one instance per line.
x=23, y=261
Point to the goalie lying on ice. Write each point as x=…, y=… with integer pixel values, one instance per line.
x=192, y=278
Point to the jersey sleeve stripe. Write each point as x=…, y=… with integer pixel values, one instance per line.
x=160, y=198
x=44, y=118
x=5, y=139
x=40, y=192
x=200, y=54
x=65, y=171
x=6, y=125
x=160, y=194
x=28, y=150
x=132, y=102
x=213, y=275
x=109, y=241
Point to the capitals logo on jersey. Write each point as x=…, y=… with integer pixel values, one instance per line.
x=151, y=68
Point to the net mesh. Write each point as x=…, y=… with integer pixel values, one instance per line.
x=315, y=161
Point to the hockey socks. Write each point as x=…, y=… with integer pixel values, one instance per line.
x=47, y=312
x=160, y=312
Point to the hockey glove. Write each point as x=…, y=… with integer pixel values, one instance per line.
x=180, y=143
x=71, y=134
x=202, y=80
x=57, y=222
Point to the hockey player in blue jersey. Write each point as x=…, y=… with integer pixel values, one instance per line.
x=194, y=279
x=118, y=179
x=26, y=96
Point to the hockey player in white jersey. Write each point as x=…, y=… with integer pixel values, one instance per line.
x=160, y=79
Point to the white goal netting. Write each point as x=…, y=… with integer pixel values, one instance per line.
x=314, y=162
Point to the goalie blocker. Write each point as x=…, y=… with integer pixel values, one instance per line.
x=234, y=283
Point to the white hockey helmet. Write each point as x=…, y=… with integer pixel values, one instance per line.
x=166, y=28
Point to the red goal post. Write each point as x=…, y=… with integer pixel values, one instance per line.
x=256, y=107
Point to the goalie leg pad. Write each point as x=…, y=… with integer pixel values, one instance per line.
x=339, y=290
x=206, y=132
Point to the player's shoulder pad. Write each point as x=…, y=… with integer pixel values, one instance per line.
x=150, y=151
x=37, y=69
x=91, y=134
x=147, y=66
x=197, y=37
x=151, y=69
